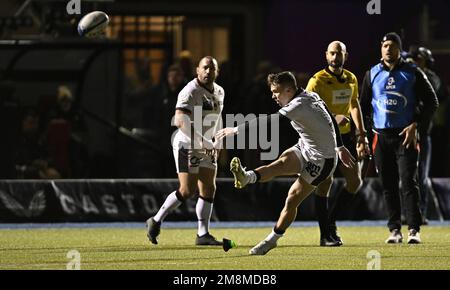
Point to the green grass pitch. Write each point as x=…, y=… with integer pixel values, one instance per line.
x=128, y=248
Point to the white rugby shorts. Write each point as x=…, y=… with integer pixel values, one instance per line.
x=190, y=160
x=314, y=172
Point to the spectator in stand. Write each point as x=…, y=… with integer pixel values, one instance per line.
x=32, y=160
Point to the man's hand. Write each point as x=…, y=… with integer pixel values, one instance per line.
x=363, y=150
x=212, y=148
x=410, y=133
x=346, y=157
x=362, y=147
x=225, y=133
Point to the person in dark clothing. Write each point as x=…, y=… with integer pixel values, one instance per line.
x=157, y=118
x=423, y=58
x=398, y=100
x=72, y=157
x=9, y=128
x=31, y=157
x=165, y=98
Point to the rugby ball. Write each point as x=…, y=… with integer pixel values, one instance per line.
x=93, y=24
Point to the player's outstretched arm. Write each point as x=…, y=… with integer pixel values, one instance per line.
x=225, y=132
x=231, y=131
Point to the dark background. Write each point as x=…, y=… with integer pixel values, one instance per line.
x=250, y=38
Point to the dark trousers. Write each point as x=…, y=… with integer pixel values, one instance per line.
x=424, y=170
x=397, y=164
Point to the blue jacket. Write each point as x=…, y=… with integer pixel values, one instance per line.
x=394, y=99
x=393, y=96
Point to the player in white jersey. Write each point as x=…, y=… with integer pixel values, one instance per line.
x=313, y=159
x=198, y=116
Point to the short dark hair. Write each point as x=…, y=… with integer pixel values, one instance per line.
x=285, y=79
x=176, y=68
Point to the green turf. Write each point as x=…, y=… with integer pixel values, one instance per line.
x=130, y=249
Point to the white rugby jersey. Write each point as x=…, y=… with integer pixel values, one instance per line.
x=310, y=118
x=202, y=104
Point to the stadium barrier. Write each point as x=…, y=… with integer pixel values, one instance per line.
x=137, y=199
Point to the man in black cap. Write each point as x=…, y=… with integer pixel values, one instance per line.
x=423, y=58
x=398, y=100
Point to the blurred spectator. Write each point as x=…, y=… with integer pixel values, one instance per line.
x=137, y=90
x=185, y=62
x=159, y=108
x=32, y=160
x=144, y=77
x=140, y=77
x=258, y=100
x=160, y=104
x=174, y=83
x=424, y=59
x=302, y=78
x=64, y=109
x=230, y=79
x=256, y=96
x=66, y=134
x=9, y=128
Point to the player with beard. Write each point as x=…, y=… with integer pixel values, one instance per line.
x=398, y=100
x=338, y=87
x=195, y=156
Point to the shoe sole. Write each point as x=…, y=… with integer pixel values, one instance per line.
x=235, y=168
x=256, y=254
x=331, y=245
x=219, y=244
x=413, y=242
x=394, y=241
x=208, y=243
x=259, y=254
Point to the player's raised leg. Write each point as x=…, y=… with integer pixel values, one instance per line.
x=204, y=207
x=287, y=164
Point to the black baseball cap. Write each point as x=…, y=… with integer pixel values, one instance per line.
x=392, y=36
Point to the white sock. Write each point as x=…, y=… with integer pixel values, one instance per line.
x=273, y=237
x=171, y=203
x=204, y=210
x=251, y=176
